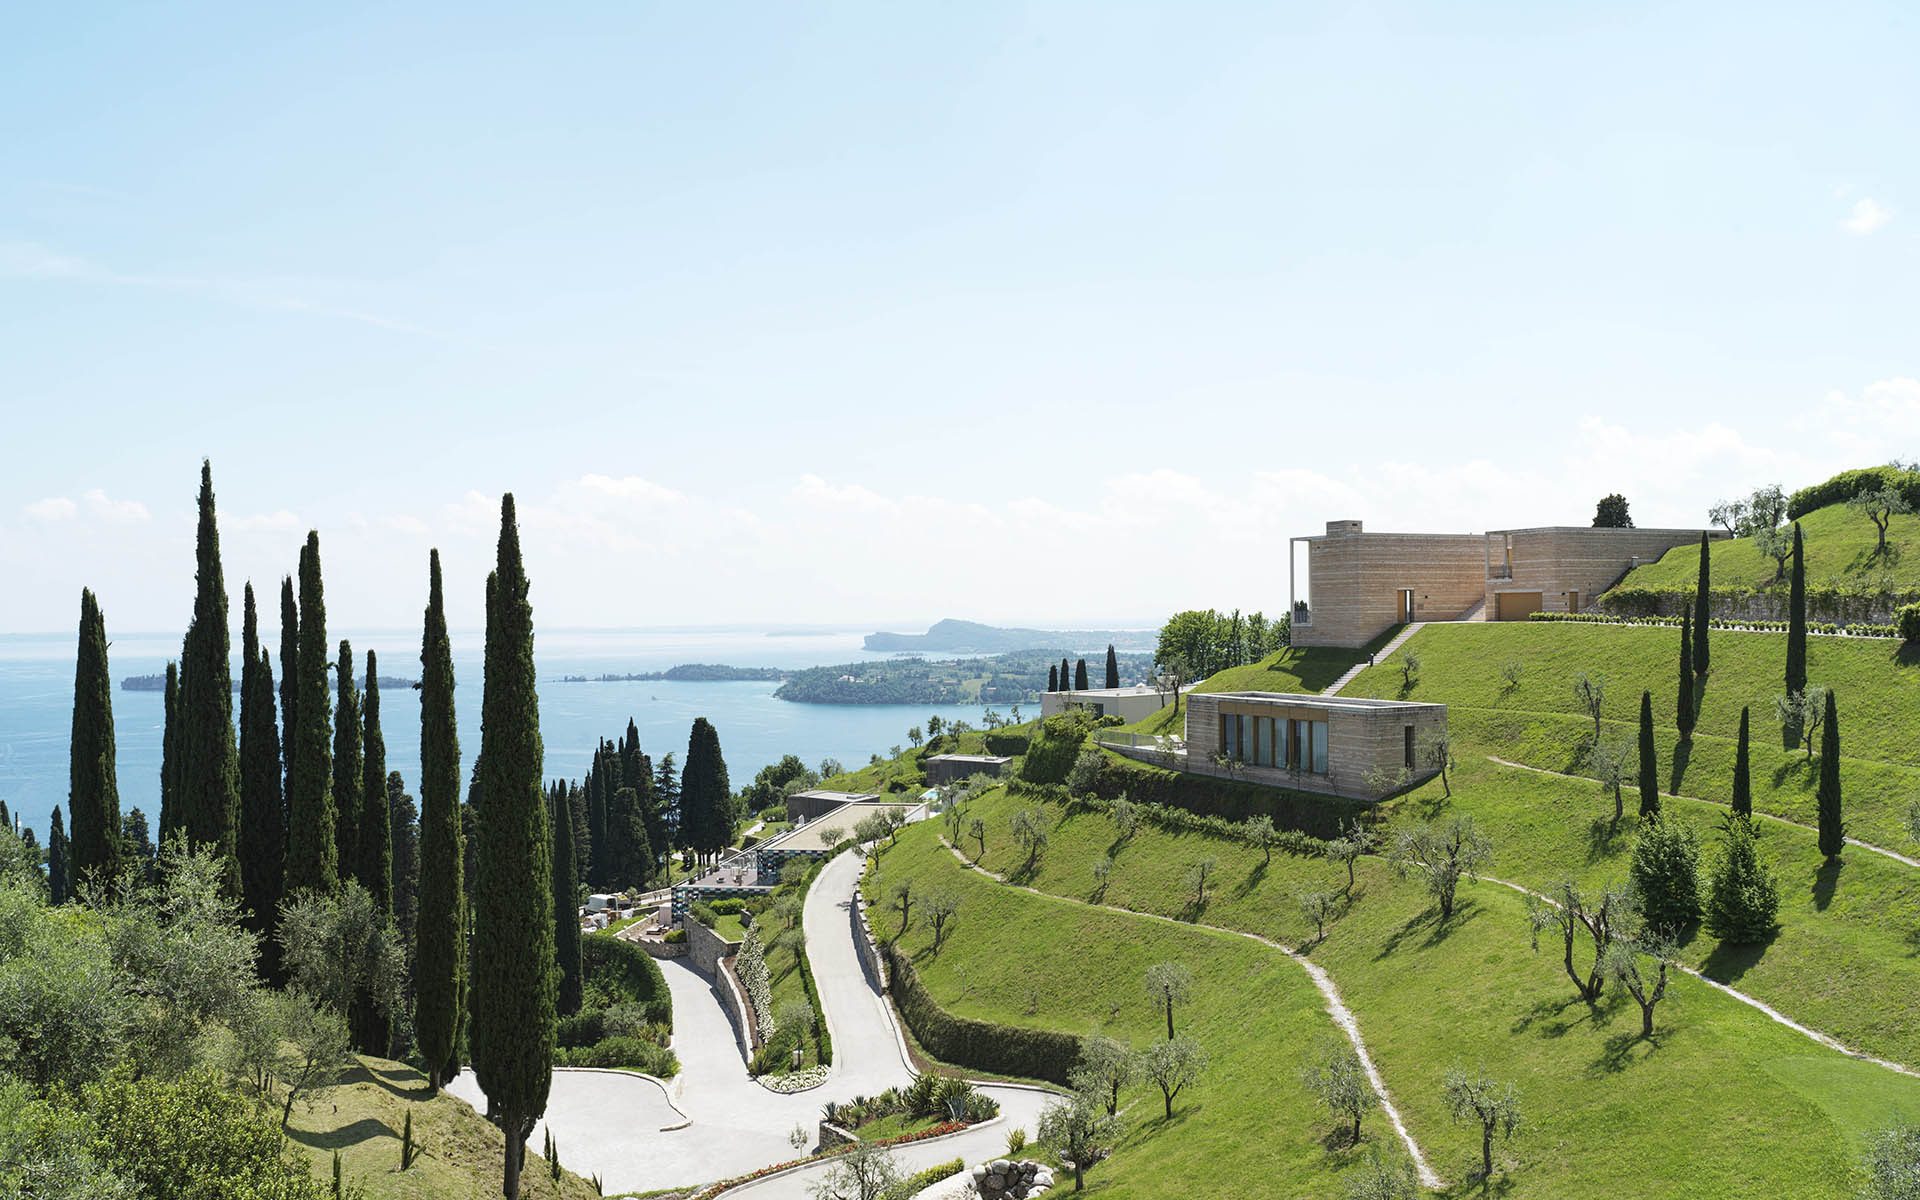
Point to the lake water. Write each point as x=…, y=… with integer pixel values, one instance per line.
x=36, y=705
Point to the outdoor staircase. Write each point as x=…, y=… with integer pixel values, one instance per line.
x=1379, y=657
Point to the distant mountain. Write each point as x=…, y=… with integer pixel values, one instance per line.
x=689, y=673
x=971, y=637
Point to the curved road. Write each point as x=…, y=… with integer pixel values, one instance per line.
x=619, y=1126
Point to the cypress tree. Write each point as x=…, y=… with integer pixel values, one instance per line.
x=374, y=847
x=170, y=755
x=1113, y=667
x=1053, y=678
x=1683, y=702
x=1080, y=675
x=597, y=816
x=705, y=794
x=1797, y=618
x=576, y=810
x=512, y=1031
x=1742, y=781
x=207, y=783
x=263, y=815
x=439, y=976
x=566, y=903
x=403, y=834
x=59, y=860
x=1649, y=761
x=93, y=788
x=1833, y=831
x=347, y=767
x=629, y=854
x=289, y=674
x=666, y=794
x=1701, y=604
x=313, y=860
x=1066, y=676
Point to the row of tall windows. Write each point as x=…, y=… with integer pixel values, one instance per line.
x=1286, y=742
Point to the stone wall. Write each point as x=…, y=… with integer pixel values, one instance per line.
x=1355, y=579
x=707, y=948
x=863, y=941
x=1871, y=609
x=1561, y=561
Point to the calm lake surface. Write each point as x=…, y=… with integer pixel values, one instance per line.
x=36, y=705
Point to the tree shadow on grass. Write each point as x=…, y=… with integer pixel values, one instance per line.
x=364, y=1130
x=404, y=1082
x=1797, y=765
x=1254, y=879
x=1728, y=962
x=1623, y=1050
x=1428, y=919
x=1825, y=881
x=1602, y=835
x=1677, y=772
x=1552, y=1019
x=1908, y=655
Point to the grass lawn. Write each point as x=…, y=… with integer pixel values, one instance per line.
x=729, y=926
x=1243, y=1131
x=362, y=1119
x=1766, y=1110
x=1293, y=669
x=1839, y=547
x=898, y=1125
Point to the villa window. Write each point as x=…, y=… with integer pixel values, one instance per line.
x=1317, y=735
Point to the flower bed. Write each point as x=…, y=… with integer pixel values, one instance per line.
x=794, y=1081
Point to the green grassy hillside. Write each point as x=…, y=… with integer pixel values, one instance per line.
x=1294, y=669
x=1840, y=554
x=1767, y=1111
x=362, y=1118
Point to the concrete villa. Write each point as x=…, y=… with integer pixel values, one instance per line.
x=1128, y=703
x=1363, y=583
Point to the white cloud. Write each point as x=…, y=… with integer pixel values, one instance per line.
x=630, y=487
x=99, y=504
x=278, y=521
x=53, y=508
x=1867, y=216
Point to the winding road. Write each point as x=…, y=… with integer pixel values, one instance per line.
x=712, y=1121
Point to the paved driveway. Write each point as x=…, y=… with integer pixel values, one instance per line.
x=617, y=1125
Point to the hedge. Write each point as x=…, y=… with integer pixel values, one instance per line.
x=1179, y=820
x=630, y=970
x=1316, y=814
x=1008, y=744
x=1051, y=754
x=1848, y=484
x=822, y=1040
x=1858, y=629
x=979, y=1045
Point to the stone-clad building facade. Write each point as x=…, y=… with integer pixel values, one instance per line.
x=1340, y=744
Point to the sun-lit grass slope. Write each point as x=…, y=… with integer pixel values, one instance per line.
x=1840, y=553
x=363, y=1117
x=1244, y=1131
x=1723, y=1102
x=1876, y=684
x=1294, y=669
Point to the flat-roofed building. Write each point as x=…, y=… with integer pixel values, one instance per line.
x=817, y=802
x=1368, y=749
x=1130, y=704
x=951, y=768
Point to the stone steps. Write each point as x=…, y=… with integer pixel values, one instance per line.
x=1381, y=656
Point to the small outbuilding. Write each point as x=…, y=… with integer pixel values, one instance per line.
x=952, y=768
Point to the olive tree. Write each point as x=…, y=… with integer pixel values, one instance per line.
x=1169, y=984
x=1802, y=714
x=1126, y=818
x=1476, y=1096
x=977, y=830
x=940, y=907
x=1590, y=693
x=1352, y=843
x=1105, y=1067
x=1079, y=1131
x=1608, y=762
x=1441, y=854
x=1893, y=1164
x=1029, y=830
x=1199, y=875
x=1260, y=834
x=1383, y=1177
x=903, y=900
x=1569, y=912
x=865, y=1172
x=1880, y=505
x=1172, y=1066
x=1318, y=908
x=1623, y=964
x=1339, y=1081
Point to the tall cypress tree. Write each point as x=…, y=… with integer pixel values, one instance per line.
x=629, y=855
x=1080, y=675
x=263, y=816
x=1066, y=676
x=313, y=861
x=289, y=675
x=597, y=794
x=59, y=861
x=1649, y=761
x=1742, y=780
x=403, y=833
x=347, y=766
x=1053, y=678
x=566, y=903
x=207, y=785
x=577, y=812
x=439, y=979
x=1797, y=618
x=1701, y=605
x=1683, y=701
x=666, y=792
x=374, y=847
x=170, y=755
x=705, y=793
x=1833, y=831
x=93, y=787
x=512, y=1030
x=1113, y=667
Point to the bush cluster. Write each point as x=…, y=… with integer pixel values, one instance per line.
x=933, y=1094
x=1179, y=820
x=1906, y=622
x=633, y=1054
x=1008, y=744
x=1848, y=484
x=621, y=972
x=1204, y=797
x=1051, y=753
x=980, y=1045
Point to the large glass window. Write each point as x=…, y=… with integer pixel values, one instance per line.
x=1317, y=737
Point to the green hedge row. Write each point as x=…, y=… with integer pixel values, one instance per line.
x=1313, y=813
x=1848, y=484
x=629, y=970
x=1008, y=744
x=1858, y=629
x=1180, y=820
x=822, y=1040
x=1636, y=601
x=979, y=1045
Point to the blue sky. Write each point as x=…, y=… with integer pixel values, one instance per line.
x=888, y=312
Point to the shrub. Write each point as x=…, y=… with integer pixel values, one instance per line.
x=675, y=937
x=932, y=1175
x=980, y=1045
x=635, y=1054
x=1051, y=755
x=1742, y=899
x=729, y=907
x=1848, y=484
x=1907, y=622
x=623, y=974
x=703, y=912
x=1665, y=872
x=1016, y=1140
x=1008, y=745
